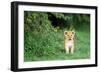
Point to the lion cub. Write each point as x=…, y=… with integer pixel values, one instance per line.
x=69, y=41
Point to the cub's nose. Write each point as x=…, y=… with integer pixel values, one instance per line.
x=69, y=39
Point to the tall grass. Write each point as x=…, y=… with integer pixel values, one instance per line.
x=50, y=46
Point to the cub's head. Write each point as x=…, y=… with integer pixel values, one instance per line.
x=69, y=35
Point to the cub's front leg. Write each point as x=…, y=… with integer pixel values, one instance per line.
x=72, y=50
x=67, y=49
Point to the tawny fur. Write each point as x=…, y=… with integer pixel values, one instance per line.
x=69, y=41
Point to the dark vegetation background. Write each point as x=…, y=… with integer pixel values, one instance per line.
x=44, y=35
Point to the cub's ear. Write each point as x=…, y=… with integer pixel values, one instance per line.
x=65, y=33
x=73, y=32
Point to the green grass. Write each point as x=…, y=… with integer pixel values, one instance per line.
x=50, y=46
